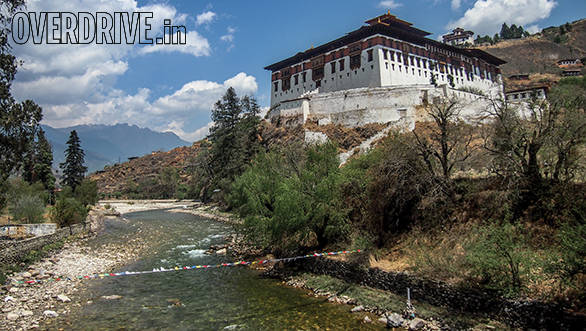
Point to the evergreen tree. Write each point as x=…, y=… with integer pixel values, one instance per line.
x=39, y=162
x=234, y=138
x=73, y=168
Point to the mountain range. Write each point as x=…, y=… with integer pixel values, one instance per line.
x=110, y=144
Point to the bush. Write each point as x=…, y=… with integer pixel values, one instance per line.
x=68, y=211
x=291, y=201
x=500, y=259
x=87, y=192
x=29, y=208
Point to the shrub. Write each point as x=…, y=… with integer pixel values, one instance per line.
x=87, y=192
x=29, y=208
x=292, y=201
x=500, y=259
x=68, y=211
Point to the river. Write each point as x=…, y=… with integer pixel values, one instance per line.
x=233, y=298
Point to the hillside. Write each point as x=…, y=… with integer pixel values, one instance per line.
x=109, y=144
x=538, y=54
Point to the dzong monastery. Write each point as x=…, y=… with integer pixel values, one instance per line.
x=379, y=73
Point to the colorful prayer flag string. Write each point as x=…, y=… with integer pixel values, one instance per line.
x=177, y=268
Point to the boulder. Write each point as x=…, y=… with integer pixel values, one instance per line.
x=357, y=309
x=366, y=319
x=221, y=251
x=416, y=324
x=25, y=313
x=394, y=320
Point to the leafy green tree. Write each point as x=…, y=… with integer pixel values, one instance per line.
x=18, y=121
x=291, y=201
x=87, y=192
x=68, y=211
x=29, y=208
x=73, y=168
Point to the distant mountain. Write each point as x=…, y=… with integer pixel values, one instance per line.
x=110, y=144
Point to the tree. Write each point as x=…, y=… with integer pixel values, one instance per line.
x=73, y=168
x=446, y=140
x=39, y=162
x=234, y=139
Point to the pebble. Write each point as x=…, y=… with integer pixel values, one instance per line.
x=13, y=290
x=383, y=320
x=50, y=313
x=26, y=275
x=111, y=297
x=12, y=316
x=221, y=251
x=357, y=309
x=367, y=319
x=8, y=298
x=63, y=298
x=25, y=313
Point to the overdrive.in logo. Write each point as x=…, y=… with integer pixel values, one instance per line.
x=87, y=28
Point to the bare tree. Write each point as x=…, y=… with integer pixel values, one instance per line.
x=446, y=140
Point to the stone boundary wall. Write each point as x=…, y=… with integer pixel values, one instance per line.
x=25, y=230
x=14, y=251
x=524, y=314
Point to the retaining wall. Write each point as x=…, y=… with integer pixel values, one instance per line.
x=524, y=314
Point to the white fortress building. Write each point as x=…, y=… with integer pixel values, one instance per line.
x=459, y=37
x=378, y=73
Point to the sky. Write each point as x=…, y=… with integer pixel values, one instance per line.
x=229, y=42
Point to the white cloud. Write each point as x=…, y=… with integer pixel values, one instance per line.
x=487, y=16
x=205, y=17
x=177, y=128
x=195, y=45
x=533, y=29
x=390, y=4
x=456, y=4
x=76, y=84
x=229, y=37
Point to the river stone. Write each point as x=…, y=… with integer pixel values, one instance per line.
x=394, y=320
x=26, y=274
x=25, y=313
x=367, y=319
x=416, y=324
x=63, y=298
x=50, y=313
x=383, y=320
x=12, y=316
x=111, y=297
x=8, y=298
x=357, y=309
x=221, y=251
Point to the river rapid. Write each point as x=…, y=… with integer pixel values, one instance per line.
x=235, y=298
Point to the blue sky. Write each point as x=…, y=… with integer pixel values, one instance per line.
x=229, y=43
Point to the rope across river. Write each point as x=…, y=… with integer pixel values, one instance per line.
x=183, y=268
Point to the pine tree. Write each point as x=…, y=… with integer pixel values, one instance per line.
x=39, y=162
x=73, y=168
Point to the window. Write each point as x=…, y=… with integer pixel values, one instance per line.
x=412, y=61
x=276, y=86
x=392, y=56
x=370, y=56
x=304, y=77
x=355, y=61
x=318, y=83
x=286, y=83
x=333, y=65
x=418, y=63
x=318, y=73
x=296, y=77
x=398, y=57
x=385, y=54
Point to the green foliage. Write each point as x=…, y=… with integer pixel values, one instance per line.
x=571, y=260
x=87, y=192
x=512, y=32
x=292, y=202
x=39, y=162
x=68, y=211
x=28, y=208
x=73, y=168
x=235, y=142
x=500, y=258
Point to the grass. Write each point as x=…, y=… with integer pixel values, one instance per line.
x=387, y=301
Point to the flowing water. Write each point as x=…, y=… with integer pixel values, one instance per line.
x=212, y=299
